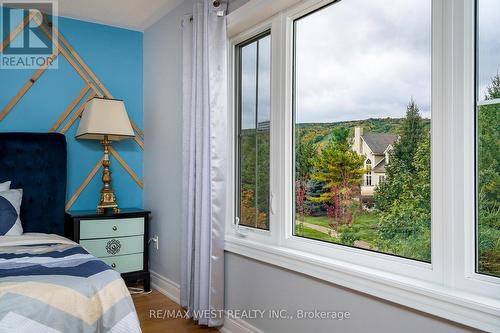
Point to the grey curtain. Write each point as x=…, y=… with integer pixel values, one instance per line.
x=204, y=162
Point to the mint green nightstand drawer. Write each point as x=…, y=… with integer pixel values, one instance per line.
x=105, y=247
x=107, y=228
x=125, y=264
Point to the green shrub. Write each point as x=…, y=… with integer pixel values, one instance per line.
x=348, y=235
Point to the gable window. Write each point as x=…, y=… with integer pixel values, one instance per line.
x=340, y=123
x=488, y=138
x=253, y=91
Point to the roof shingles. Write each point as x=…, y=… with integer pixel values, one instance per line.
x=378, y=142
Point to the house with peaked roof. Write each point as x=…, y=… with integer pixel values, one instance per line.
x=375, y=147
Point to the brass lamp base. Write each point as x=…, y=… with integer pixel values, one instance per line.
x=107, y=201
x=108, y=197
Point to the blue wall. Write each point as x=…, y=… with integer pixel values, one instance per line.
x=116, y=58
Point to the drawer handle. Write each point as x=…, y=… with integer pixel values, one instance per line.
x=113, y=246
x=115, y=228
x=113, y=265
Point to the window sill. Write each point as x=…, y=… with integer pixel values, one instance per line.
x=464, y=308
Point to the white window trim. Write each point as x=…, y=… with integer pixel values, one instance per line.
x=447, y=288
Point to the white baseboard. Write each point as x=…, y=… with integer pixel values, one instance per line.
x=166, y=286
x=171, y=289
x=238, y=326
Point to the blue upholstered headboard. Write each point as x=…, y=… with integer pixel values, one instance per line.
x=36, y=162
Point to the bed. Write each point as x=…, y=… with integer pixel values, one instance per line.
x=47, y=282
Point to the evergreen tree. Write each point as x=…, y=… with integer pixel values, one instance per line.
x=404, y=199
x=401, y=170
x=341, y=170
x=493, y=90
x=314, y=189
x=410, y=136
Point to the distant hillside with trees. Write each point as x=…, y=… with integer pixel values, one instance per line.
x=323, y=132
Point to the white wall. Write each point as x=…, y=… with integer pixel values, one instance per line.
x=235, y=4
x=255, y=285
x=249, y=284
x=163, y=130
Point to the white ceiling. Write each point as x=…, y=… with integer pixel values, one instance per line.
x=131, y=14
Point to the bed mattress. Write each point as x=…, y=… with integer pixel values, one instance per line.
x=51, y=284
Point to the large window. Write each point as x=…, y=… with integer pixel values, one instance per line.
x=253, y=91
x=488, y=137
x=362, y=87
x=341, y=174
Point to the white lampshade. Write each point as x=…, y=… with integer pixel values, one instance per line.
x=105, y=117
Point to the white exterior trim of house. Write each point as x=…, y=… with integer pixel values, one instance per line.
x=361, y=147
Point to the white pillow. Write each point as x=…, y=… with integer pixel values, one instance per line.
x=10, y=209
x=4, y=186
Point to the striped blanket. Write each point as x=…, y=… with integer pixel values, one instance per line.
x=49, y=284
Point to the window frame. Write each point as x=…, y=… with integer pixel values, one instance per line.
x=368, y=179
x=237, y=113
x=478, y=102
x=447, y=287
x=232, y=226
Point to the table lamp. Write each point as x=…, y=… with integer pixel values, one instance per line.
x=105, y=120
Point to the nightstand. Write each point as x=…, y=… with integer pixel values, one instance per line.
x=120, y=240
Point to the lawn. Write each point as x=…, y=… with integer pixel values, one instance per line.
x=364, y=233
x=364, y=228
x=323, y=221
x=314, y=234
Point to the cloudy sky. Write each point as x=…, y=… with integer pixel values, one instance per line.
x=488, y=43
x=359, y=59
x=256, y=75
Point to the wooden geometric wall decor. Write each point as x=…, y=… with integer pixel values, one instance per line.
x=70, y=108
x=91, y=74
x=27, y=87
x=80, y=61
x=93, y=85
x=85, y=183
x=75, y=116
x=125, y=165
